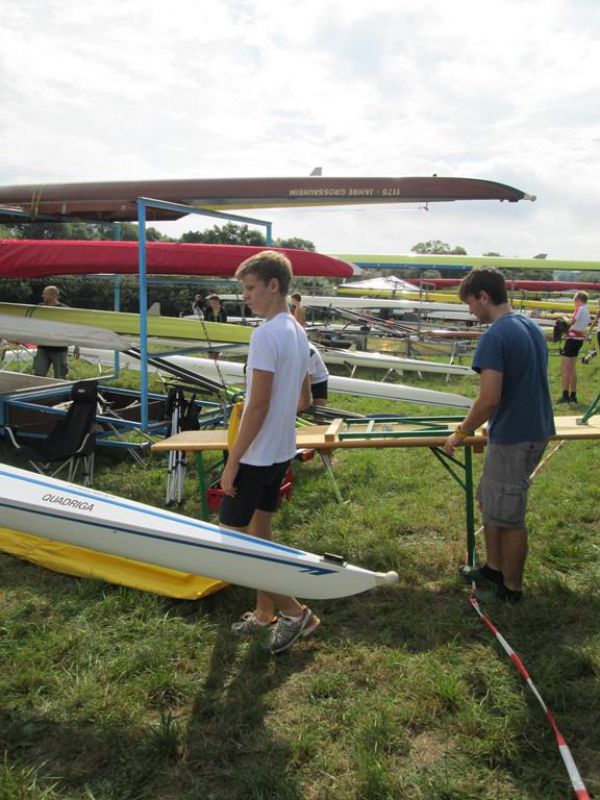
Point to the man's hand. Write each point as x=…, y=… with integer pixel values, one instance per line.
x=451, y=442
x=228, y=477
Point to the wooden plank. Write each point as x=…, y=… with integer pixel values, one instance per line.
x=322, y=437
x=332, y=432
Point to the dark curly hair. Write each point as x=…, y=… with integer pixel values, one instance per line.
x=486, y=279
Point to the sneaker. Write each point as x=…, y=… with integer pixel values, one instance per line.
x=287, y=631
x=250, y=625
x=587, y=358
x=562, y=400
x=509, y=596
x=483, y=577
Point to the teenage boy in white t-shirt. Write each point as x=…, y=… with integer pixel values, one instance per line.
x=278, y=385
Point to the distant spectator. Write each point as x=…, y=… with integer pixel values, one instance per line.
x=593, y=353
x=575, y=338
x=214, y=311
x=55, y=356
x=298, y=310
x=198, y=306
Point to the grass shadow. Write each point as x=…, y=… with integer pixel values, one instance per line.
x=230, y=749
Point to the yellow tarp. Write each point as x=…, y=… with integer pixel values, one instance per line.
x=84, y=563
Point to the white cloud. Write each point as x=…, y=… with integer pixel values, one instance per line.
x=505, y=90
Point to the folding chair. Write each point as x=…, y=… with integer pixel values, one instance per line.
x=70, y=442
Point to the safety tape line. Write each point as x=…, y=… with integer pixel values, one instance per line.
x=581, y=793
x=579, y=788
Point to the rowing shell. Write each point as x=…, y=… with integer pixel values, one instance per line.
x=356, y=358
x=322, y=301
x=64, y=512
x=59, y=334
x=116, y=200
x=36, y=258
x=129, y=324
x=233, y=373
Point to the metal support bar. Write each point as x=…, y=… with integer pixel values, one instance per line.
x=466, y=485
x=117, y=297
x=592, y=410
x=202, y=485
x=143, y=299
x=326, y=459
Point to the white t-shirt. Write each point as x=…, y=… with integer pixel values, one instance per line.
x=279, y=346
x=579, y=322
x=316, y=366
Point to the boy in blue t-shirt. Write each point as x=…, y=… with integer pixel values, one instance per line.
x=514, y=398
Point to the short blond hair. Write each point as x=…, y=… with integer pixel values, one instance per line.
x=583, y=296
x=53, y=290
x=267, y=265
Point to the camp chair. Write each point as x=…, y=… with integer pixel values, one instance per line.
x=71, y=442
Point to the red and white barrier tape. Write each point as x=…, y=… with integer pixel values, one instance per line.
x=580, y=791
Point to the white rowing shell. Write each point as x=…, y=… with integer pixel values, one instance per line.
x=83, y=517
x=233, y=373
x=359, y=358
x=59, y=334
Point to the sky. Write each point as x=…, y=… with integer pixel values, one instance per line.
x=506, y=90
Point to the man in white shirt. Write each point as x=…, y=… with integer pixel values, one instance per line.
x=278, y=385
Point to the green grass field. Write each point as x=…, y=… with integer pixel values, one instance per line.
x=113, y=694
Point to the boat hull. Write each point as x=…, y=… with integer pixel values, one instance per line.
x=116, y=200
x=64, y=512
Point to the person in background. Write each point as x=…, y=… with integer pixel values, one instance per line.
x=514, y=399
x=214, y=309
x=278, y=386
x=597, y=324
x=55, y=356
x=319, y=376
x=594, y=351
x=298, y=310
x=575, y=338
x=198, y=306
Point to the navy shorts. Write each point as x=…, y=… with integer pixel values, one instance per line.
x=571, y=348
x=257, y=490
x=319, y=390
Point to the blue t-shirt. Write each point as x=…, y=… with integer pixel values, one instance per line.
x=515, y=346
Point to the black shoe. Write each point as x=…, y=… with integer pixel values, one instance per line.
x=563, y=399
x=573, y=398
x=483, y=577
x=510, y=596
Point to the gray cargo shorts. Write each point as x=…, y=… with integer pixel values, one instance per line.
x=502, y=491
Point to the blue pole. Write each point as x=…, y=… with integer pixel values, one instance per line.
x=143, y=292
x=269, y=234
x=117, y=238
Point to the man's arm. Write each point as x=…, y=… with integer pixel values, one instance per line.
x=255, y=414
x=490, y=392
